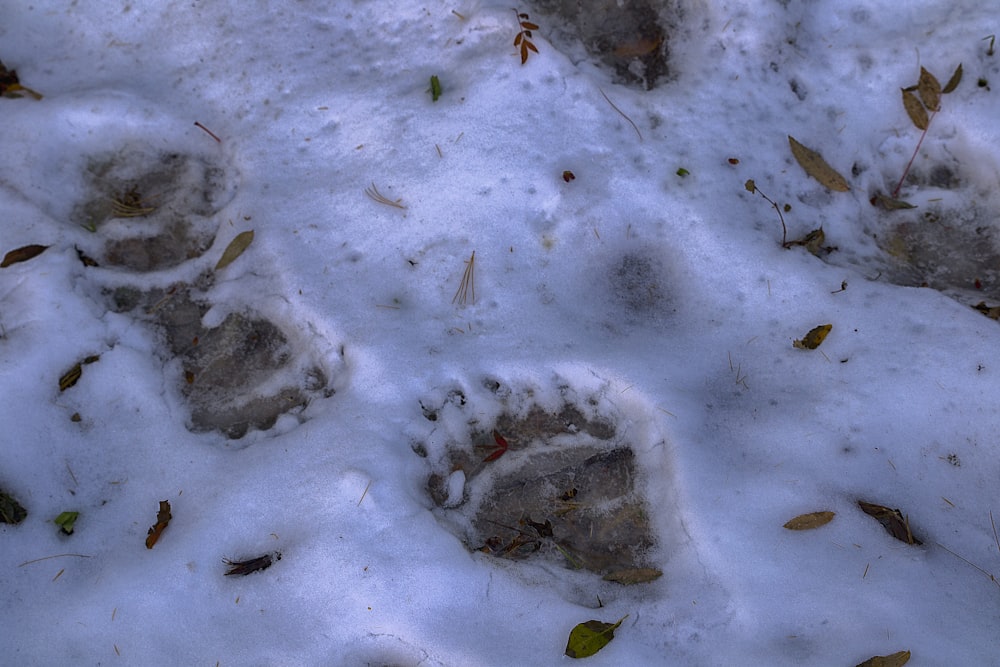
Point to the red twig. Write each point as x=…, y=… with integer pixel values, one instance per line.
x=210, y=133
x=895, y=193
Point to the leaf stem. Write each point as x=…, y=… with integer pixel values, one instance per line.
x=899, y=186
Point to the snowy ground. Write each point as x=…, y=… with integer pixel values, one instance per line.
x=660, y=307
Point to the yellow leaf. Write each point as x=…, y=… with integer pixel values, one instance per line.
x=810, y=521
x=814, y=338
x=639, y=575
x=897, y=659
x=588, y=638
x=816, y=166
x=915, y=110
x=235, y=249
x=929, y=89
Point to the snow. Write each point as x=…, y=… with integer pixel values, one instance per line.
x=659, y=306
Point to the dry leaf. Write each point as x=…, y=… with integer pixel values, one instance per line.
x=810, y=521
x=814, y=338
x=235, y=249
x=162, y=519
x=11, y=510
x=890, y=204
x=22, y=255
x=10, y=86
x=588, y=638
x=87, y=261
x=953, y=82
x=813, y=242
x=897, y=659
x=245, y=567
x=639, y=575
x=992, y=312
x=892, y=520
x=816, y=166
x=929, y=89
x=72, y=376
x=915, y=110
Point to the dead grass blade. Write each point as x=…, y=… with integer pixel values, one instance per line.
x=377, y=196
x=608, y=100
x=468, y=284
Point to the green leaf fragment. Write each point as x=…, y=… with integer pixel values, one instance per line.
x=588, y=638
x=435, y=88
x=682, y=172
x=11, y=510
x=235, y=249
x=65, y=521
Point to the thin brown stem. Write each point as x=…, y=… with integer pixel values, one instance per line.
x=899, y=186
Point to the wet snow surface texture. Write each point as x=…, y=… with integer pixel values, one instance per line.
x=450, y=344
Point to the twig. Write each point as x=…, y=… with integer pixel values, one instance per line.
x=622, y=114
x=523, y=38
x=468, y=283
x=899, y=186
x=752, y=187
x=375, y=195
x=210, y=133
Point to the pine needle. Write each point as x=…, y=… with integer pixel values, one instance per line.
x=375, y=195
x=468, y=284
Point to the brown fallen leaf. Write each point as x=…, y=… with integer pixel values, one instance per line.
x=814, y=338
x=992, y=312
x=22, y=255
x=915, y=110
x=890, y=204
x=953, y=82
x=235, y=249
x=639, y=575
x=897, y=659
x=245, y=567
x=929, y=90
x=817, y=167
x=892, y=520
x=810, y=521
x=162, y=519
x=10, y=86
x=813, y=242
x=87, y=261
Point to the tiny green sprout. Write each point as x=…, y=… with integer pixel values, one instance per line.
x=65, y=521
x=682, y=172
x=435, y=88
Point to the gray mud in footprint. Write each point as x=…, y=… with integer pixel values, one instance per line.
x=552, y=485
x=242, y=374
